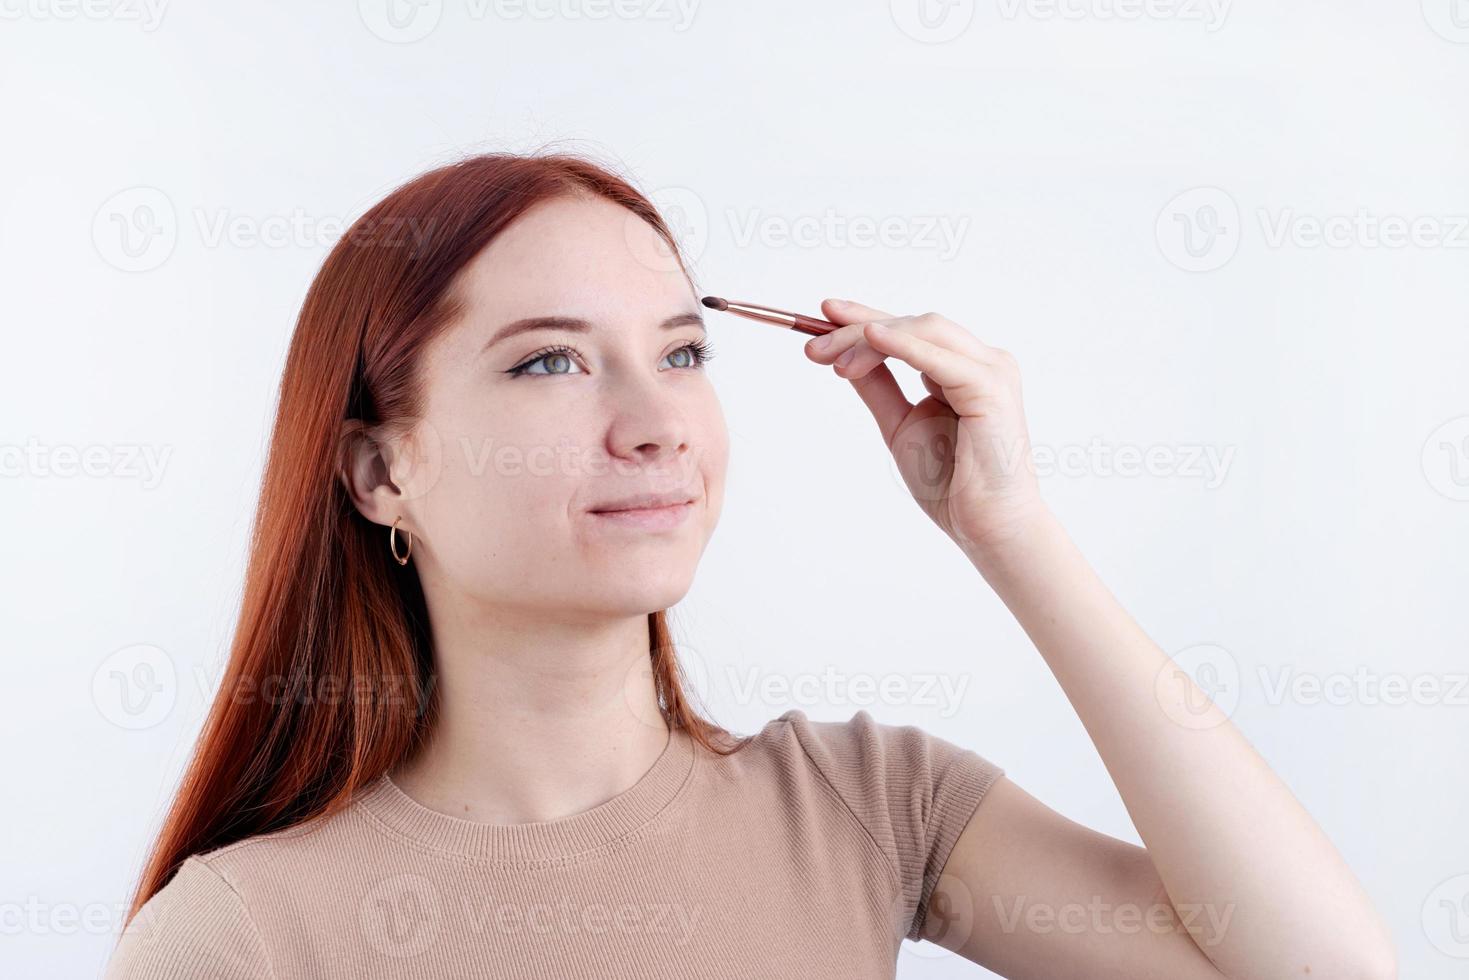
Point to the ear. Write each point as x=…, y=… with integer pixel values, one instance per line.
x=364, y=474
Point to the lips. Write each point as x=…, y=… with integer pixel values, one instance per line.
x=642, y=501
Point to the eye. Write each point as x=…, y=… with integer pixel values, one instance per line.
x=551, y=355
x=695, y=355
x=699, y=353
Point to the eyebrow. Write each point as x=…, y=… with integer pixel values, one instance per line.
x=579, y=325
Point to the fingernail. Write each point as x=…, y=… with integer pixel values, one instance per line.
x=839, y=302
x=846, y=358
x=820, y=343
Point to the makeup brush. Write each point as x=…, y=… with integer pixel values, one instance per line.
x=769, y=314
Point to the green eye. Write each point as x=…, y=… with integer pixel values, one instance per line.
x=694, y=355
x=699, y=351
x=550, y=355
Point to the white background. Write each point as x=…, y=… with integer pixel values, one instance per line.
x=1053, y=142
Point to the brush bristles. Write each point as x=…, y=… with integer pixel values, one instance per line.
x=715, y=303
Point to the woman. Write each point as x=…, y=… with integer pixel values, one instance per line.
x=452, y=739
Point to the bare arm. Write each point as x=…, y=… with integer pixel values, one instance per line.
x=1254, y=883
x=1257, y=888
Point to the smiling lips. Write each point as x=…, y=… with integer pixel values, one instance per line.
x=648, y=511
x=643, y=501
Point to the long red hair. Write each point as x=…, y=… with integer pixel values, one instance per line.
x=330, y=679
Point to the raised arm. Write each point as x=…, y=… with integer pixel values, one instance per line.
x=1251, y=885
x=1249, y=877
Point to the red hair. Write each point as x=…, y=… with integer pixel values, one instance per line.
x=330, y=679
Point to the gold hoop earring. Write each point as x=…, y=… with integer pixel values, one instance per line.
x=393, y=542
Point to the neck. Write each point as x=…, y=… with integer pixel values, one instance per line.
x=538, y=718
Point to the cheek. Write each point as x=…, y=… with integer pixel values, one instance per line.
x=714, y=458
x=500, y=494
x=497, y=533
x=510, y=454
x=717, y=457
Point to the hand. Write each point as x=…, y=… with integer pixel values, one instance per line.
x=964, y=451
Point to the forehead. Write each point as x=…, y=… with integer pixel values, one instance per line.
x=579, y=256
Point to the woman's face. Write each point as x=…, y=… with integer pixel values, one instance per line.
x=530, y=441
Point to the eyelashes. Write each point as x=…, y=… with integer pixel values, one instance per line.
x=701, y=350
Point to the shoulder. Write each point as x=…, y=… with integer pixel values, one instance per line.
x=896, y=780
x=195, y=925
x=861, y=750
x=912, y=791
x=205, y=920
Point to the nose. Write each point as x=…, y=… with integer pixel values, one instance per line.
x=649, y=425
x=651, y=437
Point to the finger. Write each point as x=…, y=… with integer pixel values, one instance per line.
x=931, y=327
x=938, y=328
x=879, y=391
x=833, y=344
x=844, y=311
x=934, y=389
x=946, y=367
x=841, y=312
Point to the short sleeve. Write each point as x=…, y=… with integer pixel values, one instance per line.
x=912, y=790
x=194, y=926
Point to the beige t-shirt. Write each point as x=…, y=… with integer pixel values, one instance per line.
x=810, y=853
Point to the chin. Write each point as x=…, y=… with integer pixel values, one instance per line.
x=631, y=593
